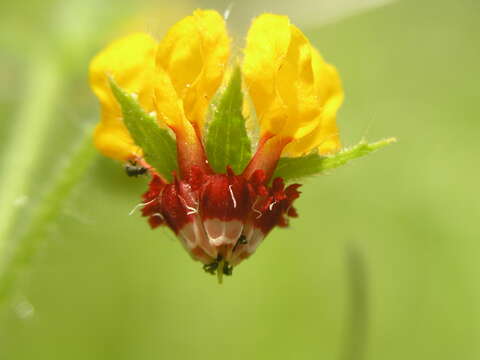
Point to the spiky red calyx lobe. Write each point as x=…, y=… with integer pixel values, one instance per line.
x=220, y=216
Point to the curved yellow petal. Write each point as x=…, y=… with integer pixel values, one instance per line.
x=194, y=54
x=114, y=142
x=325, y=137
x=296, y=87
x=131, y=63
x=295, y=92
x=267, y=45
x=171, y=111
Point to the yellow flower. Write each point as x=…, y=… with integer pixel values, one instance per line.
x=175, y=78
x=223, y=201
x=194, y=54
x=131, y=62
x=296, y=94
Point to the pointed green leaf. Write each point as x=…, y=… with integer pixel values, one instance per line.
x=314, y=164
x=227, y=140
x=158, y=146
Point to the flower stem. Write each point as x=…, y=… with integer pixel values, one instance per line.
x=354, y=346
x=221, y=264
x=27, y=245
x=27, y=136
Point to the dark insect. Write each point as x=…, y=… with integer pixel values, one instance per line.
x=134, y=170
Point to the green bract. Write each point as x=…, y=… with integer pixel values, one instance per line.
x=227, y=141
x=313, y=164
x=158, y=146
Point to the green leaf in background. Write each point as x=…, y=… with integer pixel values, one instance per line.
x=296, y=168
x=227, y=139
x=159, y=147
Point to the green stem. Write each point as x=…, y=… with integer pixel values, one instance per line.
x=354, y=346
x=51, y=206
x=27, y=136
x=221, y=264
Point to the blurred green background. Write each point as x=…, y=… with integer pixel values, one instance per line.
x=382, y=263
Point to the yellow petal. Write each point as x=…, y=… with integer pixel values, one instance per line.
x=114, y=142
x=267, y=45
x=194, y=54
x=296, y=87
x=168, y=105
x=131, y=63
x=170, y=110
x=295, y=92
x=325, y=137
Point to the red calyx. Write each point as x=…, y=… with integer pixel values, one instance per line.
x=220, y=218
x=219, y=215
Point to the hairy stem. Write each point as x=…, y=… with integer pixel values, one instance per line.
x=51, y=206
x=354, y=346
x=26, y=138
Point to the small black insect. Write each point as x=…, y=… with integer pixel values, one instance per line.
x=134, y=170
